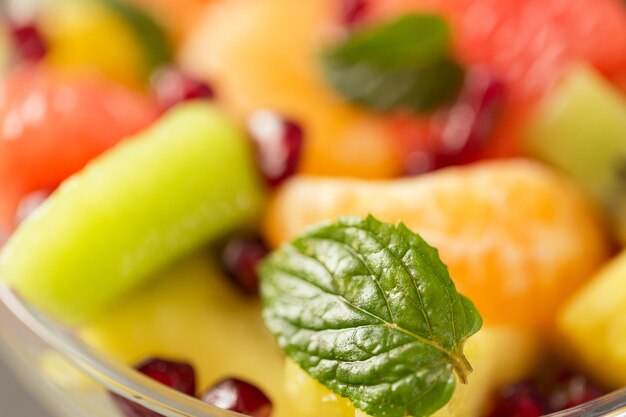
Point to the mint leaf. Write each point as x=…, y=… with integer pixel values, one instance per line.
x=369, y=310
x=402, y=64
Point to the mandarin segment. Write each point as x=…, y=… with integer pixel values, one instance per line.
x=513, y=234
x=254, y=66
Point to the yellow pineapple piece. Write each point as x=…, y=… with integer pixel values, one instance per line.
x=194, y=313
x=499, y=355
x=593, y=324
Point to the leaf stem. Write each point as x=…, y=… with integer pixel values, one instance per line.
x=462, y=367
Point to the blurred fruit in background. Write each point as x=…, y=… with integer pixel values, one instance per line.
x=268, y=60
x=528, y=43
x=177, y=16
x=580, y=128
x=110, y=37
x=523, y=45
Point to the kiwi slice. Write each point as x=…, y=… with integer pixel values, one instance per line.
x=580, y=128
x=185, y=181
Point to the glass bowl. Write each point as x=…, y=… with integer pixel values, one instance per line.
x=73, y=380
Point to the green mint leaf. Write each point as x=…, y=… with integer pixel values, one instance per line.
x=402, y=64
x=369, y=310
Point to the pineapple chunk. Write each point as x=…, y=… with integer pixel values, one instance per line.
x=593, y=324
x=193, y=313
x=499, y=355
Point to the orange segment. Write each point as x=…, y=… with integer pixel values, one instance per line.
x=268, y=59
x=518, y=239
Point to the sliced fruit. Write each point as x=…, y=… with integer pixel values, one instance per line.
x=499, y=355
x=188, y=179
x=594, y=324
x=528, y=43
x=512, y=233
x=255, y=66
x=50, y=127
x=580, y=128
x=193, y=313
x=108, y=36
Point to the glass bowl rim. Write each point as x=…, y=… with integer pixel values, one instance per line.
x=124, y=381
x=112, y=375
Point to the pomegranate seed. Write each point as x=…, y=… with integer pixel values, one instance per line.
x=173, y=86
x=461, y=133
x=520, y=400
x=176, y=375
x=467, y=126
x=353, y=11
x=278, y=143
x=28, y=42
x=241, y=257
x=29, y=203
x=573, y=390
x=239, y=396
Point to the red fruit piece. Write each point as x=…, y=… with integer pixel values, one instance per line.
x=278, y=143
x=241, y=257
x=51, y=127
x=464, y=130
x=239, y=396
x=176, y=375
x=571, y=390
x=528, y=43
x=520, y=400
x=172, y=86
x=353, y=11
x=28, y=42
x=461, y=134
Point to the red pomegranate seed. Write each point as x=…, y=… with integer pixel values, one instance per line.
x=520, y=400
x=241, y=257
x=572, y=390
x=28, y=42
x=468, y=124
x=278, y=143
x=30, y=203
x=239, y=396
x=460, y=134
x=353, y=11
x=172, y=86
x=176, y=375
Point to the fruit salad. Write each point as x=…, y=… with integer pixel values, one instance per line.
x=324, y=208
